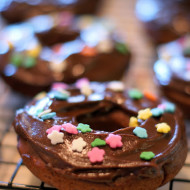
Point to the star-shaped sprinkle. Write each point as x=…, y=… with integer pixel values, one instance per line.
x=59, y=85
x=78, y=144
x=144, y=114
x=121, y=47
x=40, y=95
x=98, y=142
x=48, y=116
x=133, y=122
x=114, y=141
x=116, y=86
x=58, y=66
x=55, y=137
x=163, y=128
x=162, y=106
x=135, y=94
x=35, y=51
x=89, y=51
x=84, y=85
x=149, y=95
x=16, y=59
x=29, y=62
x=86, y=90
x=147, y=155
x=82, y=82
x=169, y=107
x=105, y=46
x=54, y=128
x=157, y=112
x=60, y=95
x=96, y=155
x=84, y=128
x=44, y=112
x=70, y=128
x=140, y=132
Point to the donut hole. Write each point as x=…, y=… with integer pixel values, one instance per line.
x=105, y=121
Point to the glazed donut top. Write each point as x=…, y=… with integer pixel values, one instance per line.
x=65, y=124
x=20, y=10
x=164, y=20
x=95, y=47
x=173, y=66
x=173, y=13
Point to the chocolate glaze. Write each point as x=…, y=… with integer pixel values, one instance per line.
x=75, y=64
x=173, y=72
x=55, y=28
x=164, y=20
x=106, y=111
x=19, y=10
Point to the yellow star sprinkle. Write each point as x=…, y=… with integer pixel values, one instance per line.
x=133, y=122
x=11, y=46
x=144, y=114
x=35, y=51
x=40, y=95
x=163, y=128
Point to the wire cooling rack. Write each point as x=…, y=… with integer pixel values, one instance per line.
x=13, y=174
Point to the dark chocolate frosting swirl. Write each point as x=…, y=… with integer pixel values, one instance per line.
x=106, y=111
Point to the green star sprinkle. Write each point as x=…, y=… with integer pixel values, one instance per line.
x=16, y=59
x=121, y=47
x=135, y=94
x=98, y=142
x=29, y=62
x=84, y=128
x=147, y=155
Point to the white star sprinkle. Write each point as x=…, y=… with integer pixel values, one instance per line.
x=58, y=66
x=86, y=90
x=116, y=86
x=105, y=46
x=55, y=137
x=78, y=144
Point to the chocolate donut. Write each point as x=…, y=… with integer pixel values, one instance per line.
x=172, y=70
x=100, y=136
x=164, y=20
x=56, y=28
x=19, y=10
x=95, y=52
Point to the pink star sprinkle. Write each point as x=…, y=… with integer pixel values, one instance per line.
x=82, y=82
x=59, y=85
x=114, y=141
x=56, y=48
x=96, y=155
x=162, y=106
x=54, y=128
x=69, y=128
